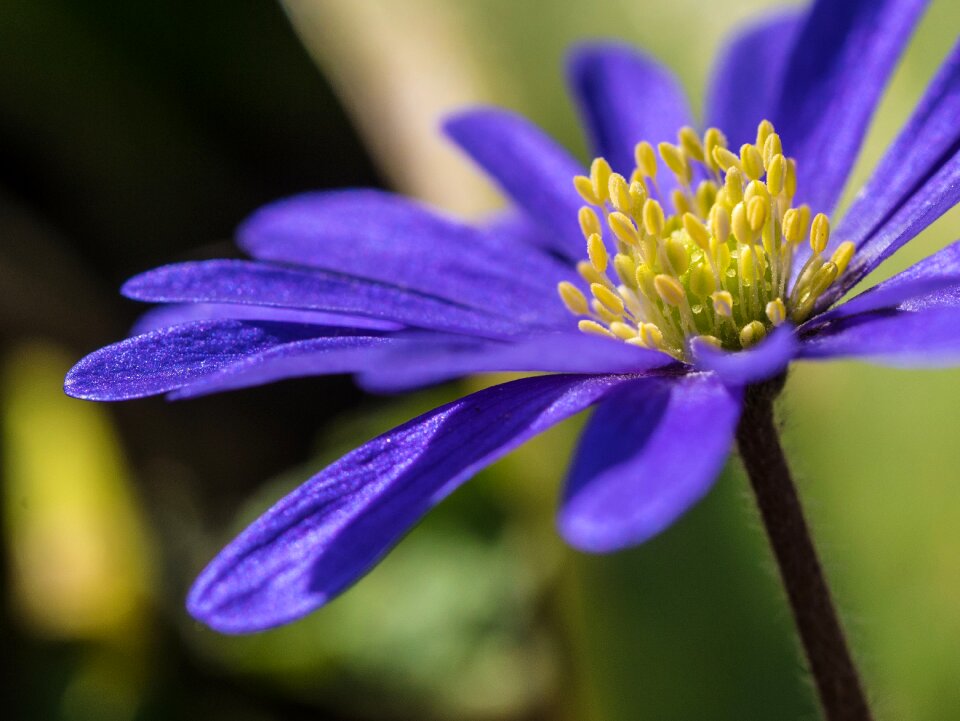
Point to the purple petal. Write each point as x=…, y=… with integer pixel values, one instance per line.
x=328, y=355
x=381, y=236
x=625, y=97
x=843, y=55
x=330, y=531
x=170, y=358
x=925, y=143
x=164, y=316
x=530, y=167
x=651, y=450
x=250, y=283
x=446, y=358
x=938, y=195
x=932, y=275
x=925, y=338
x=768, y=358
x=748, y=74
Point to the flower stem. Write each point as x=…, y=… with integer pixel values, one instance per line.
x=838, y=683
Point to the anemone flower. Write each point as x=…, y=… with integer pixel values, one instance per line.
x=669, y=285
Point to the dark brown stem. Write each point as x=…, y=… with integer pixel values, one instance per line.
x=838, y=684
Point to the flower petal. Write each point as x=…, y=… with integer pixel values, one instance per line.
x=767, y=359
x=925, y=338
x=937, y=195
x=651, y=450
x=164, y=316
x=530, y=167
x=170, y=358
x=386, y=237
x=933, y=274
x=330, y=531
x=251, y=283
x=747, y=75
x=930, y=137
x=625, y=97
x=442, y=359
x=843, y=55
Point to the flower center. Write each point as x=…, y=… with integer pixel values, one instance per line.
x=719, y=267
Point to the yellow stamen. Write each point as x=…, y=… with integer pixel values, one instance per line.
x=573, y=298
x=715, y=266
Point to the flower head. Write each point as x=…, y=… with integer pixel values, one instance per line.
x=698, y=263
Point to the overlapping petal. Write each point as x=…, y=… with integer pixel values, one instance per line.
x=382, y=236
x=441, y=359
x=937, y=195
x=651, y=450
x=164, y=316
x=909, y=338
x=747, y=75
x=250, y=283
x=930, y=137
x=842, y=57
x=767, y=359
x=625, y=97
x=528, y=165
x=171, y=358
x=327, y=533
x=930, y=276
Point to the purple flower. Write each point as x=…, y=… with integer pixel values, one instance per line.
x=707, y=271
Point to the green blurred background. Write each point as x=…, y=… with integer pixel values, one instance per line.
x=133, y=134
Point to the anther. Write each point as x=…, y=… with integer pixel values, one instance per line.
x=591, y=326
x=674, y=159
x=650, y=335
x=572, y=298
x=764, y=131
x=680, y=201
x=756, y=213
x=584, y=187
x=725, y=159
x=702, y=282
x=771, y=148
x=752, y=333
x=610, y=300
x=597, y=252
x=790, y=178
x=622, y=330
x=740, y=224
x=733, y=186
x=776, y=169
x=842, y=255
x=646, y=159
x=712, y=140
x=720, y=223
x=697, y=231
x=623, y=228
x=690, y=142
x=589, y=222
x=723, y=303
x=820, y=233
x=776, y=311
x=669, y=289
x=750, y=161
x=653, y=218
x=706, y=196
x=619, y=193
x=677, y=256
x=600, y=178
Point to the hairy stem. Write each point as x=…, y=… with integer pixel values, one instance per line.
x=837, y=681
